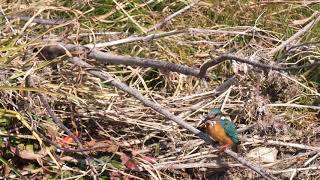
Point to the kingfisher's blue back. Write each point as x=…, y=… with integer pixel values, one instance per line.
x=230, y=128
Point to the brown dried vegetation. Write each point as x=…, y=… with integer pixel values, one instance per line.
x=123, y=139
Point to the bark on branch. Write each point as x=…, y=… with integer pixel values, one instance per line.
x=51, y=52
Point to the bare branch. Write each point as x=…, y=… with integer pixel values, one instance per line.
x=192, y=31
x=222, y=58
x=302, y=46
x=51, y=52
x=142, y=62
x=135, y=93
x=280, y=143
x=194, y=165
x=136, y=39
x=37, y=20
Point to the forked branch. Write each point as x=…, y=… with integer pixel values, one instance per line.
x=215, y=61
x=50, y=52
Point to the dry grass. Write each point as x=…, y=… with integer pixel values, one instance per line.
x=100, y=112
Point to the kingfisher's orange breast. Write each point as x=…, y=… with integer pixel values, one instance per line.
x=218, y=133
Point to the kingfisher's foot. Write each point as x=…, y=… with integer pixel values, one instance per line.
x=222, y=149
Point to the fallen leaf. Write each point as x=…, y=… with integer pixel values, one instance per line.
x=149, y=159
x=131, y=164
x=102, y=146
x=128, y=162
x=27, y=154
x=6, y=170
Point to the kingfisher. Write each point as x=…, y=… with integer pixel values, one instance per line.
x=221, y=129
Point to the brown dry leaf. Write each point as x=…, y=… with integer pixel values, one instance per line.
x=131, y=164
x=52, y=132
x=149, y=159
x=6, y=170
x=26, y=154
x=102, y=146
x=128, y=162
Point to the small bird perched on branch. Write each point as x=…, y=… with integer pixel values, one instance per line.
x=221, y=129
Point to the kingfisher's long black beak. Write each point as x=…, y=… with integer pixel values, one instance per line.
x=209, y=117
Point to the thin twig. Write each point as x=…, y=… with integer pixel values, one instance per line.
x=128, y=15
x=6, y=18
x=296, y=35
x=192, y=31
x=94, y=34
x=307, y=44
x=280, y=143
x=37, y=20
x=224, y=57
x=135, y=93
x=226, y=98
x=135, y=39
x=297, y=169
x=142, y=62
x=293, y=105
x=194, y=165
x=159, y=25
x=311, y=159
